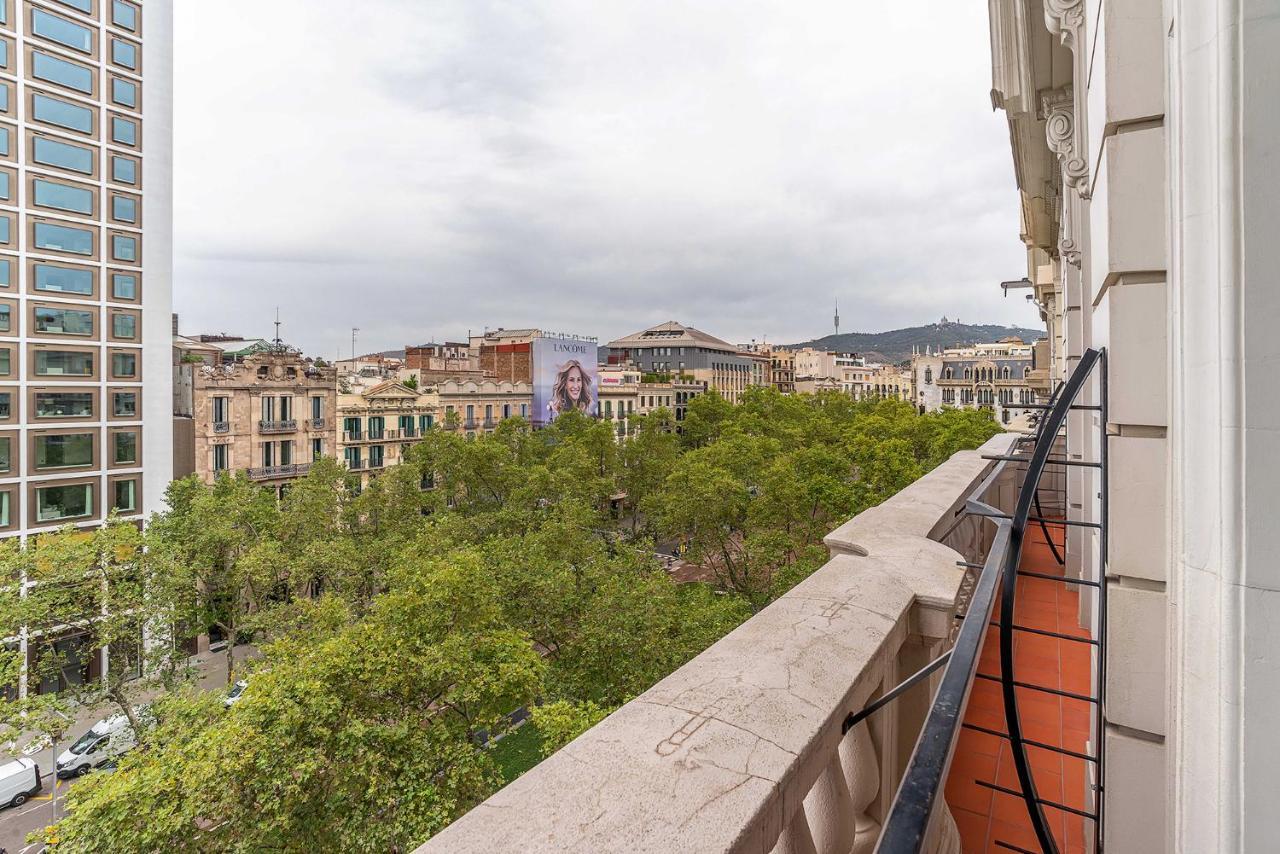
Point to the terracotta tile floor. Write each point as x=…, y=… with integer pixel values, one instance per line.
x=985, y=815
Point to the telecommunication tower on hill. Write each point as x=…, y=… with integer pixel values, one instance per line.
x=837, y=317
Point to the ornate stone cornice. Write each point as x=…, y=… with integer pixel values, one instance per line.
x=1065, y=19
x=1062, y=134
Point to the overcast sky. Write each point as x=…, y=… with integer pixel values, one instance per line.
x=421, y=168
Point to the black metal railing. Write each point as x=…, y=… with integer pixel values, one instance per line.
x=908, y=825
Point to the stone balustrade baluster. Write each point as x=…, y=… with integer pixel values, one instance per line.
x=795, y=837
x=862, y=774
x=829, y=809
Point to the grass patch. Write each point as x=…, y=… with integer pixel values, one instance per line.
x=518, y=752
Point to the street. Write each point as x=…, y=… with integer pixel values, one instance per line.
x=17, y=822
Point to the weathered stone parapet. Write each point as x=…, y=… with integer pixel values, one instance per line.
x=741, y=749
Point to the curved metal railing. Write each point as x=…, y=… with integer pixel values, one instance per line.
x=907, y=827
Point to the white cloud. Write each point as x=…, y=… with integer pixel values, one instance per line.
x=418, y=168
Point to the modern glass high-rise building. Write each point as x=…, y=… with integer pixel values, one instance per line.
x=85, y=260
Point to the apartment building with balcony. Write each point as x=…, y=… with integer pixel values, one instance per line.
x=376, y=425
x=624, y=395
x=85, y=261
x=996, y=376
x=782, y=370
x=270, y=415
x=475, y=407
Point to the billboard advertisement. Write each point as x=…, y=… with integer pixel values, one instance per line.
x=564, y=378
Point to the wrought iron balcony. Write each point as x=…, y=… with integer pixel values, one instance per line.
x=289, y=426
x=490, y=423
x=222, y=427
x=274, y=472
x=356, y=465
x=317, y=423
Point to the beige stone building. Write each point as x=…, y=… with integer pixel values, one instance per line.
x=782, y=370
x=376, y=424
x=270, y=415
x=624, y=395
x=477, y=406
x=891, y=381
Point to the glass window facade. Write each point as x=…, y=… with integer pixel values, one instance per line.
x=124, y=248
x=62, y=155
x=124, y=53
x=124, y=326
x=124, y=448
x=63, y=363
x=73, y=450
x=124, y=209
x=63, y=238
x=124, y=92
x=6, y=455
x=64, y=404
x=124, y=15
x=50, y=194
x=62, y=72
x=62, y=31
x=61, y=113
x=124, y=131
x=68, y=501
x=60, y=280
x=124, y=404
x=124, y=365
x=124, y=170
x=124, y=286
x=125, y=497
x=63, y=321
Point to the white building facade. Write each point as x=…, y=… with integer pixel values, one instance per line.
x=1145, y=136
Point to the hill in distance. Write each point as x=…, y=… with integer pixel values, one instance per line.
x=896, y=345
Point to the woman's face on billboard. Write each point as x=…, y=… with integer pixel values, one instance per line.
x=573, y=384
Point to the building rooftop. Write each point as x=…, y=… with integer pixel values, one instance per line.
x=673, y=332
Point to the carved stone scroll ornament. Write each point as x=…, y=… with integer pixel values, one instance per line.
x=1065, y=19
x=1060, y=131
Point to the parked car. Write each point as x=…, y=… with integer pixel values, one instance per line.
x=19, y=780
x=236, y=692
x=106, y=740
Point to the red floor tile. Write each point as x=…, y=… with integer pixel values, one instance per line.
x=987, y=815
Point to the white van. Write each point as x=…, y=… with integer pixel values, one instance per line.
x=19, y=780
x=108, y=738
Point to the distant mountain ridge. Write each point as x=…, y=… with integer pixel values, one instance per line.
x=896, y=345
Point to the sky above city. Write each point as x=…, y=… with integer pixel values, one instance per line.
x=424, y=168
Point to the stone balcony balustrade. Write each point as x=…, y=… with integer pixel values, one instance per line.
x=741, y=749
x=286, y=426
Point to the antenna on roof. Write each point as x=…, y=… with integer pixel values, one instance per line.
x=278, y=341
